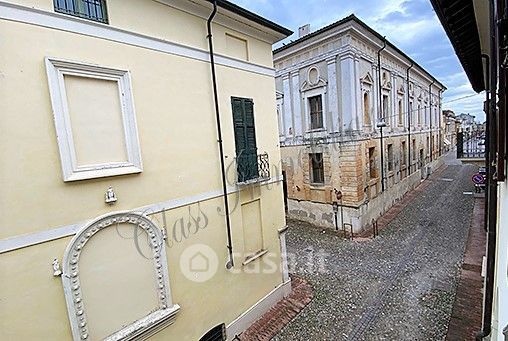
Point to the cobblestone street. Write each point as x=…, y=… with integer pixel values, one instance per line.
x=398, y=286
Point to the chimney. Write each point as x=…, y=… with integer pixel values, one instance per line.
x=303, y=30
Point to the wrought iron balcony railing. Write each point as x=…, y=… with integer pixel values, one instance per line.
x=252, y=168
x=471, y=145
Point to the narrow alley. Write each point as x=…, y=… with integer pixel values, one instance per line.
x=398, y=286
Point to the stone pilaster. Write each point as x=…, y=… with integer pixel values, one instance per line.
x=333, y=95
x=288, y=113
x=297, y=109
x=348, y=102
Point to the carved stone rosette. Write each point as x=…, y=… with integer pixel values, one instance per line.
x=71, y=283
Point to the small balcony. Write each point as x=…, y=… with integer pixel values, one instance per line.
x=252, y=168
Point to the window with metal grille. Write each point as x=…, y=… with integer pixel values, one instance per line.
x=245, y=138
x=316, y=168
x=217, y=333
x=316, y=112
x=89, y=9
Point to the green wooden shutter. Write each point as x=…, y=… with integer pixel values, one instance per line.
x=245, y=138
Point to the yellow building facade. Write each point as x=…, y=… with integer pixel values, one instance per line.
x=112, y=219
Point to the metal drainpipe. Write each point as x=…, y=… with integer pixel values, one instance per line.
x=491, y=187
x=440, y=133
x=409, y=113
x=230, y=263
x=380, y=95
x=487, y=108
x=430, y=117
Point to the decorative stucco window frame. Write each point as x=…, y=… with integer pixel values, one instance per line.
x=366, y=84
x=141, y=329
x=56, y=70
x=400, y=97
x=311, y=88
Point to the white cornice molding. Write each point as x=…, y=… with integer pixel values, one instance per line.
x=62, y=22
x=54, y=233
x=230, y=20
x=358, y=32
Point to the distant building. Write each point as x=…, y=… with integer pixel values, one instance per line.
x=467, y=122
x=331, y=101
x=451, y=126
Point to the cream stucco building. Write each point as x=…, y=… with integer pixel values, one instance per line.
x=332, y=94
x=113, y=220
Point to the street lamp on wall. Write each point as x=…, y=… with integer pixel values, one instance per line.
x=381, y=124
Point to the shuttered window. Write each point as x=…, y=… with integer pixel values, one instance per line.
x=245, y=138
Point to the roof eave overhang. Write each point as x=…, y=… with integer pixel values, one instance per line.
x=459, y=22
x=277, y=31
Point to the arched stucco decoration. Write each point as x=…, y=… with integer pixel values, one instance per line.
x=313, y=81
x=162, y=316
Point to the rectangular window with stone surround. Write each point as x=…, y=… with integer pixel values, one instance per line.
x=94, y=119
x=316, y=112
x=385, y=114
x=390, y=157
x=316, y=168
x=401, y=113
x=372, y=163
x=404, y=153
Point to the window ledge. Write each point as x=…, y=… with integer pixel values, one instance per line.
x=317, y=185
x=255, y=256
x=253, y=181
x=147, y=326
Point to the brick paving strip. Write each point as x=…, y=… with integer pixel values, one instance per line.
x=466, y=319
x=281, y=314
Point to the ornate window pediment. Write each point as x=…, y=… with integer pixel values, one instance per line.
x=401, y=90
x=313, y=81
x=367, y=79
x=387, y=85
x=94, y=279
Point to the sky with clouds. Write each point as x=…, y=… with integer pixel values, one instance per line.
x=411, y=25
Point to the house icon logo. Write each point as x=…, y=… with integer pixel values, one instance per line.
x=199, y=262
